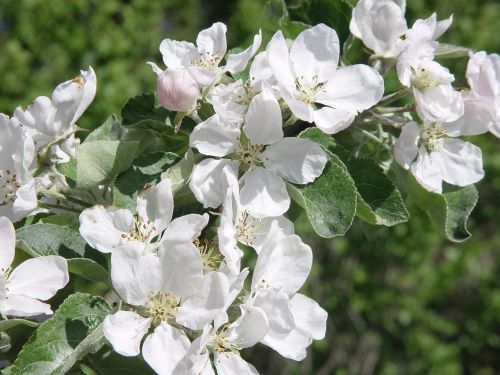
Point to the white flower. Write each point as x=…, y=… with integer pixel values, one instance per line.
x=238, y=225
x=307, y=75
x=433, y=156
x=177, y=90
x=18, y=197
x=51, y=122
x=267, y=158
x=482, y=101
x=108, y=229
x=380, y=24
x=202, y=61
x=282, y=267
x=38, y=279
x=165, y=289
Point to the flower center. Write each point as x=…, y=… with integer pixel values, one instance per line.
x=161, y=306
x=9, y=184
x=423, y=79
x=141, y=231
x=210, y=256
x=207, y=60
x=431, y=136
x=219, y=342
x=306, y=90
x=245, y=228
x=250, y=155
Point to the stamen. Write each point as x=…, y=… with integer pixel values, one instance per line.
x=9, y=184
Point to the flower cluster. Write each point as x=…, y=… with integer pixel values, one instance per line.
x=199, y=284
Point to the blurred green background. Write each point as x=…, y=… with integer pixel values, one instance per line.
x=404, y=301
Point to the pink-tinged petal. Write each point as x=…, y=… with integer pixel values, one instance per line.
x=297, y=160
x=165, y=349
x=406, y=146
x=20, y=305
x=230, y=363
x=207, y=181
x=7, y=243
x=353, y=88
x=333, y=120
x=39, y=278
x=125, y=330
x=156, y=204
x=315, y=52
x=264, y=194
x=263, y=122
x=215, y=137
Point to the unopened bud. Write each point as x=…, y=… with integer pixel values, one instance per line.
x=177, y=90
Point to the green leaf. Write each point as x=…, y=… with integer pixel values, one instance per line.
x=143, y=107
x=379, y=200
x=329, y=201
x=450, y=51
x=111, y=363
x=89, y=270
x=68, y=170
x=99, y=162
x=50, y=239
x=336, y=14
x=180, y=172
x=449, y=211
x=74, y=331
x=110, y=130
x=145, y=169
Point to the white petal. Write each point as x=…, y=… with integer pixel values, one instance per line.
x=478, y=117
x=103, y=228
x=125, y=330
x=212, y=41
x=315, y=52
x=236, y=281
x=229, y=363
x=483, y=74
x=427, y=171
x=353, y=88
x=406, y=146
x=440, y=103
x=207, y=181
x=38, y=117
x=178, y=54
x=249, y=328
x=303, y=111
x=156, y=204
x=26, y=200
x=283, y=263
x=276, y=305
x=462, y=162
x=279, y=60
x=7, y=243
x=206, y=303
x=261, y=72
x=263, y=122
x=19, y=305
x=333, y=120
x=292, y=346
x=268, y=226
x=309, y=316
x=39, y=278
x=186, y=228
x=182, y=268
x=165, y=349
x=135, y=276
x=264, y=194
x=215, y=137
x=297, y=160
x=237, y=62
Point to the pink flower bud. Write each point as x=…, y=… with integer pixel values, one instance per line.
x=177, y=90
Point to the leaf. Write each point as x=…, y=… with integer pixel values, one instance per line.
x=74, y=331
x=68, y=170
x=110, y=130
x=50, y=239
x=179, y=173
x=145, y=169
x=448, y=211
x=11, y=323
x=89, y=270
x=330, y=201
x=142, y=107
x=450, y=51
x=336, y=14
x=111, y=363
x=99, y=162
x=379, y=200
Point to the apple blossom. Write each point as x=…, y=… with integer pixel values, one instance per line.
x=307, y=76
x=23, y=288
x=260, y=148
x=434, y=155
x=177, y=90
